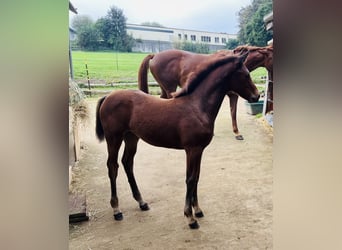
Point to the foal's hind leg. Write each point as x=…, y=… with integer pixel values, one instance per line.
x=112, y=164
x=131, y=141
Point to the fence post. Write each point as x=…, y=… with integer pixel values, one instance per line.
x=117, y=63
x=86, y=65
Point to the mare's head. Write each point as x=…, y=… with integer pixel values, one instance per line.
x=258, y=56
x=240, y=81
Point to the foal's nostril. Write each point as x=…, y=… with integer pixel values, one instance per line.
x=255, y=98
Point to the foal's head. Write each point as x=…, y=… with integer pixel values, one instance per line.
x=241, y=83
x=223, y=69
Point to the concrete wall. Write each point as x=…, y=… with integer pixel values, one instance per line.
x=151, y=46
x=156, y=39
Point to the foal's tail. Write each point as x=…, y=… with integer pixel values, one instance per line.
x=99, y=128
x=142, y=76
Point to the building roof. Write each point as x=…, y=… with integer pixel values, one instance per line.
x=72, y=8
x=268, y=20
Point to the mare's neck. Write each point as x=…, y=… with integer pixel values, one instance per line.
x=252, y=65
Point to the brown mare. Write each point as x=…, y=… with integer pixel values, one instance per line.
x=172, y=68
x=258, y=57
x=183, y=122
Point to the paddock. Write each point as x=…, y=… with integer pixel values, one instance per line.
x=235, y=192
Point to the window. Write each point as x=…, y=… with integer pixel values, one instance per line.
x=193, y=38
x=206, y=39
x=217, y=39
x=179, y=36
x=185, y=37
x=224, y=40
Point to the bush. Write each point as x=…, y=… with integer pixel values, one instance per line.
x=192, y=47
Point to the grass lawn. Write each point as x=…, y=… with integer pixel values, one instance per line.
x=107, y=67
x=114, y=68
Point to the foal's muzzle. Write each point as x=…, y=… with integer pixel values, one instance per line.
x=254, y=98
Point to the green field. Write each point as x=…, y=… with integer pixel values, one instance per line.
x=107, y=67
x=115, y=68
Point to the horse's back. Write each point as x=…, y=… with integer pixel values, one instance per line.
x=126, y=103
x=171, y=68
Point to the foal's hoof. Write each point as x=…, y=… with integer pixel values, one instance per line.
x=199, y=214
x=144, y=207
x=239, y=137
x=118, y=216
x=194, y=225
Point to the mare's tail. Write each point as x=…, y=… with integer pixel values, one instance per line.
x=142, y=76
x=99, y=128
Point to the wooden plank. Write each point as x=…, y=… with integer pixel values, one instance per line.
x=77, y=141
x=77, y=208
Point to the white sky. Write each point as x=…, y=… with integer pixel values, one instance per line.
x=203, y=15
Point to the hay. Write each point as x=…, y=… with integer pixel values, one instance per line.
x=75, y=93
x=77, y=103
x=264, y=123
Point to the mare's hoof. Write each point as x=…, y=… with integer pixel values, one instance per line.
x=194, y=225
x=199, y=214
x=239, y=137
x=144, y=207
x=118, y=216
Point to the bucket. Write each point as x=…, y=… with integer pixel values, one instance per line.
x=254, y=108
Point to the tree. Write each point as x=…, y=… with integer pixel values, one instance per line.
x=102, y=26
x=232, y=43
x=192, y=47
x=152, y=24
x=259, y=36
x=87, y=34
x=252, y=29
x=88, y=38
x=245, y=14
x=80, y=21
x=113, y=32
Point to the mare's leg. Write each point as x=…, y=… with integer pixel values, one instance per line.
x=113, y=145
x=163, y=94
x=197, y=209
x=233, y=99
x=131, y=142
x=167, y=88
x=193, y=164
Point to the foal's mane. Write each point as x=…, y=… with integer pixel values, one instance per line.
x=201, y=71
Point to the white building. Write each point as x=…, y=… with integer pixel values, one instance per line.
x=156, y=39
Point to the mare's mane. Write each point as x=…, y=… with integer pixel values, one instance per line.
x=201, y=72
x=244, y=48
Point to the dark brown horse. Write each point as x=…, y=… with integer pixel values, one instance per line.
x=171, y=68
x=183, y=122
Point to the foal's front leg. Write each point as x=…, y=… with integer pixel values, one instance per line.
x=193, y=165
